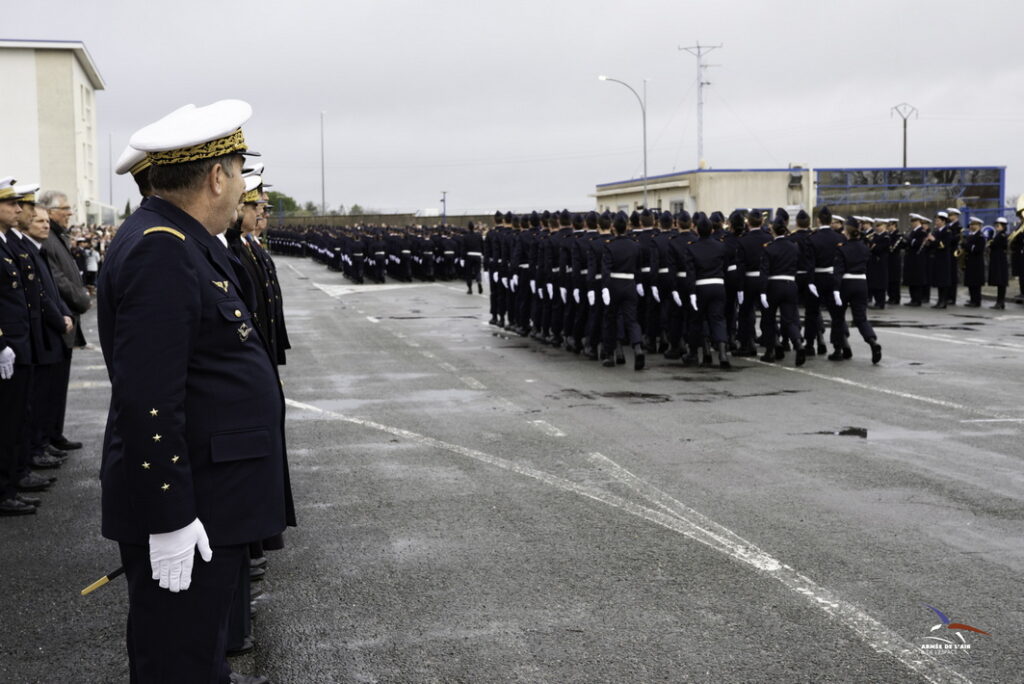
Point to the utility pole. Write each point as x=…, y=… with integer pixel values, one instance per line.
x=323, y=191
x=444, y=207
x=699, y=51
x=904, y=110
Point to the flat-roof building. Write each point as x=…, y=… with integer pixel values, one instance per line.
x=880, y=192
x=48, y=123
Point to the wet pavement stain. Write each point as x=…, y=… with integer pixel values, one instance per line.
x=844, y=432
x=637, y=397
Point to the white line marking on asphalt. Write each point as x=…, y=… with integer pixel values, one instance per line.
x=98, y=367
x=529, y=380
x=876, y=635
x=472, y=383
x=884, y=390
x=294, y=270
x=413, y=344
x=547, y=428
x=372, y=319
x=994, y=420
x=444, y=365
x=87, y=384
x=335, y=290
x=945, y=338
x=428, y=354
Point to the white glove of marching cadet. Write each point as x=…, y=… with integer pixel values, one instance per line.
x=764, y=301
x=656, y=294
x=564, y=293
x=540, y=292
x=640, y=289
x=813, y=289
x=693, y=302
x=677, y=298
x=171, y=555
x=551, y=290
x=739, y=297
x=6, y=363
x=839, y=300
x=533, y=287
x=606, y=296
x=494, y=277
x=576, y=294
x=591, y=297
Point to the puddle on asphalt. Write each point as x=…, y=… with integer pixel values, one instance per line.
x=845, y=432
x=637, y=397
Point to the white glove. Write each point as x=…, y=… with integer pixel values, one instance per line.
x=171, y=555
x=6, y=363
x=533, y=287
x=551, y=290
x=462, y=263
x=494, y=277
x=839, y=300
x=540, y=293
x=562, y=291
x=591, y=297
x=504, y=282
x=693, y=302
x=640, y=289
x=655, y=293
x=576, y=294
x=813, y=289
x=677, y=298
x=606, y=297
x=515, y=281
x=739, y=296
x=764, y=301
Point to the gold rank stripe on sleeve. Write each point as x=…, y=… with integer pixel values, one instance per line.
x=222, y=284
x=162, y=229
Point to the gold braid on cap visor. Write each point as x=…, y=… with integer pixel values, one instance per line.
x=207, y=150
x=140, y=167
x=7, y=193
x=251, y=197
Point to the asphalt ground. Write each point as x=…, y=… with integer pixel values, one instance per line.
x=477, y=507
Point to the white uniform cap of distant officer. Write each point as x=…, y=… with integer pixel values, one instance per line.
x=26, y=192
x=7, y=188
x=196, y=133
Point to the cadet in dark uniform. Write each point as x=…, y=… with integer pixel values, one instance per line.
x=973, y=247
x=915, y=261
x=748, y=260
x=194, y=454
x=940, y=260
x=998, y=274
x=878, y=264
x=823, y=246
x=472, y=254
x=706, y=262
x=897, y=244
x=621, y=264
x=780, y=260
x=851, y=290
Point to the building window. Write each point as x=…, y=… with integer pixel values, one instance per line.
x=677, y=206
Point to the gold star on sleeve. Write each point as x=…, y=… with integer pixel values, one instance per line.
x=156, y=438
x=174, y=459
x=154, y=413
x=165, y=486
x=145, y=464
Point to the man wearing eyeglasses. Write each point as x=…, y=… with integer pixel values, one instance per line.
x=57, y=249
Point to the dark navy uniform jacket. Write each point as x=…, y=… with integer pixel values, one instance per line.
x=851, y=257
x=823, y=243
x=196, y=421
x=622, y=254
x=781, y=256
x=50, y=346
x=705, y=258
x=15, y=331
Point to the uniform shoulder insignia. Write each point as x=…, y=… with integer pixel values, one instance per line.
x=161, y=229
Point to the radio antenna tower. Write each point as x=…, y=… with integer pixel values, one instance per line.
x=699, y=51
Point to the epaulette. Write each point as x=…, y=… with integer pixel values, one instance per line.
x=161, y=229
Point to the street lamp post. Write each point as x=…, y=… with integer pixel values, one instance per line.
x=643, y=112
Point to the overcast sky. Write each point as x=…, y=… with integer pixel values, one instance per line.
x=499, y=104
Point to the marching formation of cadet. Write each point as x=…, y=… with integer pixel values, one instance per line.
x=690, y=287
x=377, y=253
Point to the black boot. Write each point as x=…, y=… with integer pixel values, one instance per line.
x=821, y=344
x=479, y=287
x=620, y=356
x=999, y=305
x=769, y=355
x=847, y=352
x=638, y=357
x=876, y=351
x=723, y=356
x=673, y=353
x=836, y=355
x=801, y=355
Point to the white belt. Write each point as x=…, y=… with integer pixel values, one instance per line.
x=406, y=251
x=680, y=274
x=754, y=274
x=662, y=270
x=782, y=277
x=731, y=268
x=568, y=269
x=556, y=270
x=827, y=269
x=379, y=253
x=584, y=271
x=358, y=254
x=449, y=251
x=622, y=276
x=479, y=254
x=711, y=281
x=855, y=276
x=801, y=272
x=524, y=265
x=645, y=269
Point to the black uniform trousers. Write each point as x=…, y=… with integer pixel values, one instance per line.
x=198, y=616
x=782, y=301
x=854, y=293
x=711, y=312
x=746, y=325
x=825, y=284
x=59, y=395
x=623, y=305
x=14, y=395
x=472, y=272
x=594, y=329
